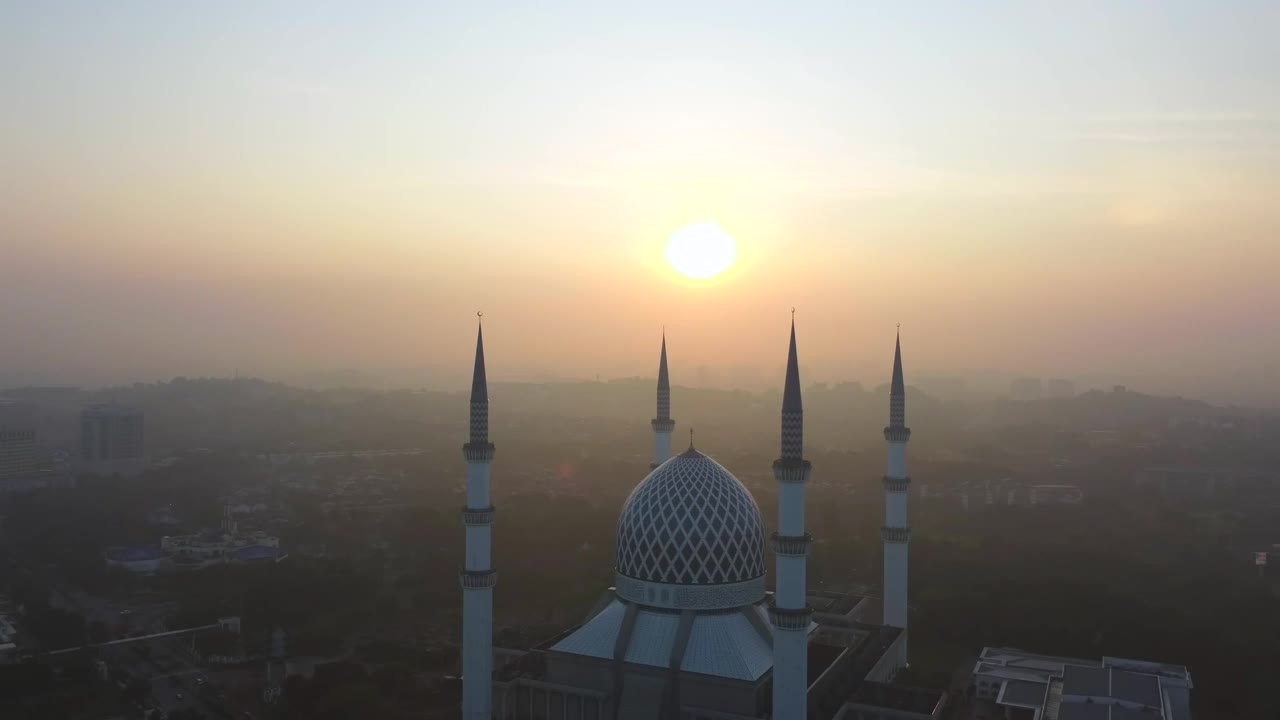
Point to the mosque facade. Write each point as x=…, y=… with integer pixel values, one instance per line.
x=689, y=629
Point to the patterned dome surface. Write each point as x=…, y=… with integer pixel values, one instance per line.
x=691, y=522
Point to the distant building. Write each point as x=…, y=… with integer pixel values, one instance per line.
x=17, y=451
x=8, y=632
x=225, y=545
x=1026, y=388
x=1046, y=494
x=141, y=559
x=1005, y=492
x=945, y=387
x=21, y=469
x=1191, y=482
x=1060, y=388
x=111, y=440
x=1011, y=684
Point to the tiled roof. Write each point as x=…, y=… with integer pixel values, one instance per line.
x=720, y=644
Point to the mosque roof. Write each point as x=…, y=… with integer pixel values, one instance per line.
x=690, y=522
x=723, y=644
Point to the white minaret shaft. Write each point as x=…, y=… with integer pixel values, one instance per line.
x=662, y=424
x=478, y=576
x=790, y=613
x=896, y=532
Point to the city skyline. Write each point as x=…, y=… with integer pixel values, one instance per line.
x=303, y=188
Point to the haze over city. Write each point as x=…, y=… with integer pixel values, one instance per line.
x=310, y=187
x=351, y=356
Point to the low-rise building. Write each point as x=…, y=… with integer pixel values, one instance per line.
x=888, y=701
x=141, y=559
x=8, y=645
x=224, y=545
x=1060, y=388
x=1011, y=684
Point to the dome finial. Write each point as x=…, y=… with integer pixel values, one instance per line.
x=690, y=438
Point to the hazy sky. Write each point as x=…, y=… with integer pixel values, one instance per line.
x=1064, y=188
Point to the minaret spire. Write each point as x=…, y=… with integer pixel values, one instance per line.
x=897, y=388
x=478, y=576
x=479, y=391
x=896, y=532
x=790, y=613
x=662, y=424
x=792, y=405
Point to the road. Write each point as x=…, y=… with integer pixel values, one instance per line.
x=169, y=663
x=175, y=686
x=132, y=617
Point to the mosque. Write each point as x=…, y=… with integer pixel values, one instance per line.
x=689, y=630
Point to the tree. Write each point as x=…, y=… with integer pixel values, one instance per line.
x=135, y=690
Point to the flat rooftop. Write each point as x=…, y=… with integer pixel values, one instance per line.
x=1097, y=711
x=897, y=697
x=1023, y=693
x=1112, y=683
x=1066, y=688
x=833, y=603
x=821, y=657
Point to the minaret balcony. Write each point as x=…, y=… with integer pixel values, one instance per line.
x=892, y=484
x=478, y=452
x=792, y=544
x=477, y=516
x=790, y=618
x=894, y=433
x=478, y=579
x=663, y=425
x=791, y=470
x=895, y=534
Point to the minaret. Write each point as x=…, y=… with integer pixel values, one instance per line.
x=478, y=576
x=790, y=613
x=277, y=653
x=896, y=533
x=663, y=424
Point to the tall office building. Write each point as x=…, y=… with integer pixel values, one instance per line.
x=1060, y=388
x=1026, y=388
x=17, y=451
x=112, y=440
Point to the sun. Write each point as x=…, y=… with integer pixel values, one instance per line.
x=701, y=251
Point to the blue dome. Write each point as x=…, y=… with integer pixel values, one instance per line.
x=690, y=523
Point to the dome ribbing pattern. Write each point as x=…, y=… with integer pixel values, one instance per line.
x=691, y=522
